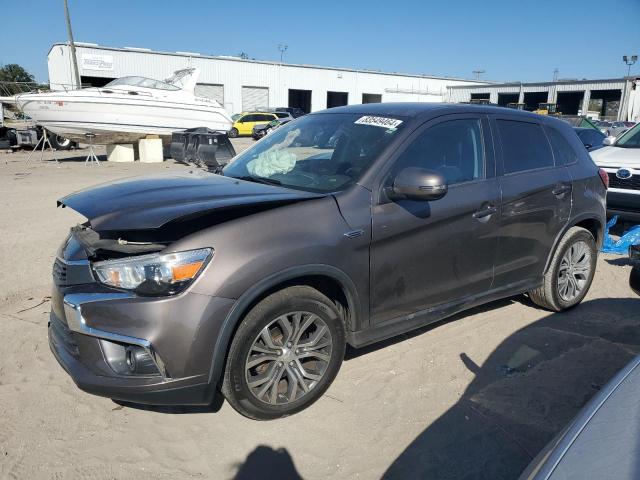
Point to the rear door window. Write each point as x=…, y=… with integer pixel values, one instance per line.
x=524, y=146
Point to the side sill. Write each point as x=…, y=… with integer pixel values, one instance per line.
x=422, y=318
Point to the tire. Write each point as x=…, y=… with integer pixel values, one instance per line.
x=287, y=395
x=559, y=291
x=233, y=133
x=58, y=142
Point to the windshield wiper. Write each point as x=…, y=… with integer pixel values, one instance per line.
x=266, y=181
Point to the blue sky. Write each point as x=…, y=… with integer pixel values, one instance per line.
x=583, y=39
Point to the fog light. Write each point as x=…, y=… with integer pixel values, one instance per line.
x=139, y=361
x=128, y=359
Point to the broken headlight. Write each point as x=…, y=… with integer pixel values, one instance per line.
x=154, y=274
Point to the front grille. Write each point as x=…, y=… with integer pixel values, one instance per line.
x=632, y=183
x=62, y=336
x=59, y=272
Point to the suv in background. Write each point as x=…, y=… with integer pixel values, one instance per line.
x=620, y=158
x=244, y=124
x=347, y=226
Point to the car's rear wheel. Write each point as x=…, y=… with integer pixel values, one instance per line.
x=285, y=354
x=570, y=273
x=233, y=133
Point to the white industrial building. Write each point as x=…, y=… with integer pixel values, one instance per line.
x=612, y=99
x=242, y=84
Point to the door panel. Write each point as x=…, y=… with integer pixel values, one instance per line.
x=428, y=253
x=536, y=205
x=531, y=218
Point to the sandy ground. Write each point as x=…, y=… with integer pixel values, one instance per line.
x=474, y=397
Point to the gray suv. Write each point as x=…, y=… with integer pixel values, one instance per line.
x=347, y=226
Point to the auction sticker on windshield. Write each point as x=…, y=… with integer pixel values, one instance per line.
x=383, y=122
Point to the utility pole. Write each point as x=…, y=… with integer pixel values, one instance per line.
x=282, y=48
x=72, y=46
x=477, y=73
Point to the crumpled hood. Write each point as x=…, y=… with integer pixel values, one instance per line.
x=617, y=157
x=152, y=201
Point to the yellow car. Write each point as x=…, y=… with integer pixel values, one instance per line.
x=244, y=124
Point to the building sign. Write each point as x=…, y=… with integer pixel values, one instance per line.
x=97, y=62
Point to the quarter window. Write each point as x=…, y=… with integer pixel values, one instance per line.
x=562, y=150
x=524, y=146
x=453, y=148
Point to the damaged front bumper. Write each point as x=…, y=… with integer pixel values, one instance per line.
x=153, y=350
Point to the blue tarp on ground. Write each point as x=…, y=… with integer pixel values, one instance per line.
x=620, y=247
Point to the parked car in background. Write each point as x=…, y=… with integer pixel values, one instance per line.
x=260, y=131
x=284, y=115
x=620, y=158
x=603, y=125
x=294, y=111
x=350, y=225
x=591, y=138
x=244, y=124
x=618, y=128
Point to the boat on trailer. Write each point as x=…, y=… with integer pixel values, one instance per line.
x=126, y=109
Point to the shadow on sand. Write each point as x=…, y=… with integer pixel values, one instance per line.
x=525, y=393
x=266, y=462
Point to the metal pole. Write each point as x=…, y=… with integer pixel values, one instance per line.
x=72, y=46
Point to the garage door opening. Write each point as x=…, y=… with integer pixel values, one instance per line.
x=300, y=99
x=337, y=99
x=254, y=98
x=371, y=98
x=209, y=90
x=569, y=102
x=505, y=99
x=606, y=103
x=533, y=99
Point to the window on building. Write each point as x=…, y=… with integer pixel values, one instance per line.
x=371, y=98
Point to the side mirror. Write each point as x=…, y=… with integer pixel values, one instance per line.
x=609, y=141
x=419, y=184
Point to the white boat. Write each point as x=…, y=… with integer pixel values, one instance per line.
x=126, y=109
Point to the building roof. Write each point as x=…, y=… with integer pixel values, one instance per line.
x=543, y=84
x=263, y=62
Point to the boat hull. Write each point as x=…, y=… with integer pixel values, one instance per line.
x=119, y=119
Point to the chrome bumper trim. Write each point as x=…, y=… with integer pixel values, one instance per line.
x=75, y=321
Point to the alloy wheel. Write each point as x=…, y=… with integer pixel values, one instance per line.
x=574, y=271
x=288, y=358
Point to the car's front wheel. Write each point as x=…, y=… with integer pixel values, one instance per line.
x=285, y=354
x=570, y=273
x=233, y=133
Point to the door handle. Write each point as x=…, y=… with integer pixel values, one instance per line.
x=485, y=212
x=561, y=190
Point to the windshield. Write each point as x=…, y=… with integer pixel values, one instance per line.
x=630, y=139
x=317, y=153
x=141, y=82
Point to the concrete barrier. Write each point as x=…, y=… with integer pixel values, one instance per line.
x=150, y=150
x=120, y=153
